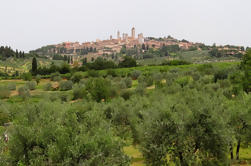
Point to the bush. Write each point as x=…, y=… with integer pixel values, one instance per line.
x=56, y=77
x=157, y=77
x=65, y=85
x=128, y=62
x=82, y=82
x=12, y=86
x=206, y=69
x=77, y=77
x=128, y=82
x=24, y=92
x=4, y=92
x=64, y=97
x=67, y=76
x=93, y=73
x=140, y=89
x=135, y=74
x=27, y=76
x=183, y=81
x=220, y=75
x=176, y=63
x=79, y=92
x=99, y=89
x=126, y=94
x=112, y=72
x=4, y=118
x=54, y=97
x=38, y=78
x=147, y=80
x=31, y=85
x=206, y=79
x=48, y=87
x=122, y=84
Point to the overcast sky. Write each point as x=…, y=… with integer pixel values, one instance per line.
x=30, y=24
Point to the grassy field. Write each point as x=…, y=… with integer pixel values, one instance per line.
x=11, y=65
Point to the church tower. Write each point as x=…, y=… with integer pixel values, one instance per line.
x=118, y=35
x=133, y=33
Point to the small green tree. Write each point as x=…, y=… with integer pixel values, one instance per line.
x=38, y=78
x=65, y=85
x=77, y=77
x=99, y=88
x=27, y=76
x=24, y=92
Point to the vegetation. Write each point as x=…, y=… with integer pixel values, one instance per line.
x=173, y=114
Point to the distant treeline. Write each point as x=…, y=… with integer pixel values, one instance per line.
x=7, y=52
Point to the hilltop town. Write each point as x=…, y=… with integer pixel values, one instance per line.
x=138, y=43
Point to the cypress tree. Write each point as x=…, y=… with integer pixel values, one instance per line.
x=34, y=65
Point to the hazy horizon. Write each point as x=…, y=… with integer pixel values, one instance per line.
x=29, y=24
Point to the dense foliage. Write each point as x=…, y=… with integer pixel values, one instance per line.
x=181, y=116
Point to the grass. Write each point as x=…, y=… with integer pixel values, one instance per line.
x=138, y=160
x=135, y=154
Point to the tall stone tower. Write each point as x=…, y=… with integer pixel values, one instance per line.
x=133, y=33
x=118, y=35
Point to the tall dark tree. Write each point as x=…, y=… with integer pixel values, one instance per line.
x=246, y=66
x=34, y=65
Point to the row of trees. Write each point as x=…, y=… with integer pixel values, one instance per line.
x=7, y=52
x=98, y=64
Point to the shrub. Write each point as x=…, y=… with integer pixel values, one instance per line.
x=67, y=76
x=122, y=84
x=112, y=72
x=56, y=77
x=206, y=79
x=196, y=76
x=135, y=74
x=128, y=82
x=4, y=92
x=77, y=77
x=48, y=87
x=4, y=118
x=147, y=80
x=176, y=63
x=31, y=85
x=220, y=75
x=206, y=68
x=99, y=89
x=157, y=77
x=38, y=78
x=79, y=92
x=126, y=94
x=128, y=62
x=140, y=89
x=24, y=92
x=82, y=82
x=183, y=81
x=27, y=76
x=54, y=97
x=64, y=97
x=93, y=73
x=65, y=85
x=12, y=86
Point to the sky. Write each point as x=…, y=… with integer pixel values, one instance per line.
x=31, y=24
